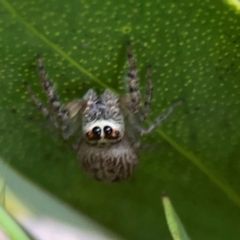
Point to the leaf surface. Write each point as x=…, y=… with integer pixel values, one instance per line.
x=194, y=50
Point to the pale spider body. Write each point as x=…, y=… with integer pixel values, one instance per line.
x=108, y=127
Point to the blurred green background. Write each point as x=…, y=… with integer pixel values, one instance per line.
x=194, y=50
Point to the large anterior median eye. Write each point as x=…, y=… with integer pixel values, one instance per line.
x=107, y=130
x=110, y=133
x=94, y=134
x=97, y=131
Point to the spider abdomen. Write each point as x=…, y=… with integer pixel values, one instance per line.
x=112, y=163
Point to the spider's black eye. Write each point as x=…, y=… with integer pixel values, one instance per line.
x=96, y=131
x=94, y=134
x=107, y=130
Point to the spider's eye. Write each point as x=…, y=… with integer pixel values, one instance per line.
x=107, y=130
x=94, y=134
x=96, y=131
x=110, y=133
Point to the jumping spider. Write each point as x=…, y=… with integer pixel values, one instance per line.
x=107, y=127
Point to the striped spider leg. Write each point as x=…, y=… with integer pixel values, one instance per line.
x=63, y=118
x=142, y=111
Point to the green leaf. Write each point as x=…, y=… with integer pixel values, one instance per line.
x=174, y=223
x=193, y=47
x=10, y=226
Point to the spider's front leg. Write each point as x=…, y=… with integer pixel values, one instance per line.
x=46, y=113
x=158, y=121
x=148, y=96
x=133, y=87
x=67, y=114
x=50, y=91
x=133, y=82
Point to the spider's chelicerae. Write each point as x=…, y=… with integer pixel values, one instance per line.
x=107, y=127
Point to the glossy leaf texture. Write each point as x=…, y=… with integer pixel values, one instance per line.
x=193, y=47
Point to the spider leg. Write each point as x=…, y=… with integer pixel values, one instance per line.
x=68, y=114
x=130, y=120
x=148, y=96
x=158, y=120
x=50, y=91
x=42, y=108
x=133, y=82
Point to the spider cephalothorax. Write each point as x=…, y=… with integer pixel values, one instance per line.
x=102, y=119
x=108, y=127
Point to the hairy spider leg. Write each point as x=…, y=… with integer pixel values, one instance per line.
x=159, y=120
x=133, y=82
x=51, y=91
x=148, y=94
x=42, y=108
x=67, y=114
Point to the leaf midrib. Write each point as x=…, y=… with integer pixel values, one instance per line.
x=187, y=154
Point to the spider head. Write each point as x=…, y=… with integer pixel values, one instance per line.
x=103, y=122
x=103, y=132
